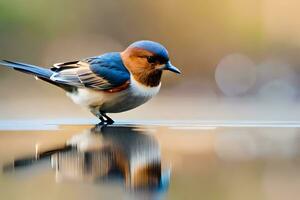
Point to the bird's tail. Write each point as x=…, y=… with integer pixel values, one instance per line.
x=40, y=72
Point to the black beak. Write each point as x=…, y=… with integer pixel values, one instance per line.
x=170, y=67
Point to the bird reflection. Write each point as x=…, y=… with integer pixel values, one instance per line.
x=103, y=153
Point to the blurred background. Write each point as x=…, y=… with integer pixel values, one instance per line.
x=240, y=59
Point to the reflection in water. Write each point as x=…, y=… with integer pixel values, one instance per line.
x=105, y=153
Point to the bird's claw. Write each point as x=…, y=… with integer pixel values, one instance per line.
x=102, y=123
x=109, y=121
x=105, y=120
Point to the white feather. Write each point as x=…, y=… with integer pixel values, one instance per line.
x=135, y=95
x=142, y=90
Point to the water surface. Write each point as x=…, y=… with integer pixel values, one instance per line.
x=150, y=160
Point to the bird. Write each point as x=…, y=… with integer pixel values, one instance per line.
x=112, y=82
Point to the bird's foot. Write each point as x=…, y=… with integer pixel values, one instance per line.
x=109, y=121
x=105, y=120
x=101, y=123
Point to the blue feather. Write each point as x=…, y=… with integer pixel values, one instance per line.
x=110, y=66
x=153, y=47
x=27, y=68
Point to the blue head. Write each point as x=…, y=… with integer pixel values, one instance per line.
x=147, y=56
x=155, y=48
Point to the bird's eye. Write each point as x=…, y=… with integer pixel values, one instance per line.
x=151, y=59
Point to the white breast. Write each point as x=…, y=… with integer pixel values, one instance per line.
x=135, y=95
x=87, y=97
x=142, y=90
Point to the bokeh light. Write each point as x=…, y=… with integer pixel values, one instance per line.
x=235, y=74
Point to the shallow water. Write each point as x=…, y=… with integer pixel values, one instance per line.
x=150, y=160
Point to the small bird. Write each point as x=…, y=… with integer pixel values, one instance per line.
x=109, y=83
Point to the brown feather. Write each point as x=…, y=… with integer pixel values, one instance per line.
x=119, y=88
x=135, y=60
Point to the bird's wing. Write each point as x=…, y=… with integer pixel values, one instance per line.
x=105, y=72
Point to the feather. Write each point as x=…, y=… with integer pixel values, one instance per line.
x=104, y=72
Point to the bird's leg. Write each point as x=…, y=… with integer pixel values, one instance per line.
x=108, y=119
x=95, y=110
x=102, y=120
